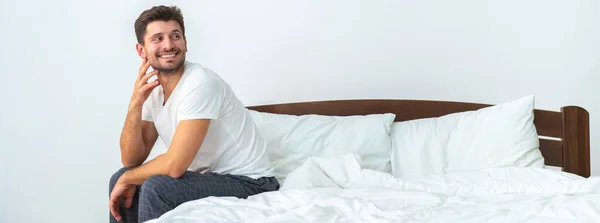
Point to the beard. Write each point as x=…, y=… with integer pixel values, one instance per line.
x=169, y=65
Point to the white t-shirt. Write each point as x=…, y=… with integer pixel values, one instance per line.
x=232, y=144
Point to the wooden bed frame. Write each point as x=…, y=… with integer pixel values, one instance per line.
x=564, y=141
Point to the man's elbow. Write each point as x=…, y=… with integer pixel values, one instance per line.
x=128, y=163
x=176, y=170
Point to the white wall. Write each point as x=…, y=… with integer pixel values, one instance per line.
x=67, y=68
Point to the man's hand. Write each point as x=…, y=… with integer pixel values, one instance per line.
x=138, y=136
x=142, y=88
x=120, y=191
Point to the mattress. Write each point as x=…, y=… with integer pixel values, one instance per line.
x=338, y=189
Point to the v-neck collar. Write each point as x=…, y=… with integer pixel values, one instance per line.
x=175, y=90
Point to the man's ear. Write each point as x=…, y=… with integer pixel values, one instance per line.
x=140, y=50
x=185, y=44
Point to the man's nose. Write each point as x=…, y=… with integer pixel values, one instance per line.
x=168, y=44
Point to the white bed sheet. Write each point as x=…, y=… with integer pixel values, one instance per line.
x=337, y=189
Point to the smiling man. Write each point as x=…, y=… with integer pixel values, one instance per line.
x=213, y=145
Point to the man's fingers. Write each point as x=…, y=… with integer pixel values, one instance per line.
x=128, y=202
x=114, y=209
x=113, y=202
x=144, y=80
x=144, y=62
x=143, y=68
x=147, y=76
x=149, y=86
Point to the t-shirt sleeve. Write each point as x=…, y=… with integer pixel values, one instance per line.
x=202, y=101
x=146, y=113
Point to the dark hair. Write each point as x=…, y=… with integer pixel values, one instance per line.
x=157, y=13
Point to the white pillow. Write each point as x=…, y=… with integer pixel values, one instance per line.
x=498, y=136
x=292, y=139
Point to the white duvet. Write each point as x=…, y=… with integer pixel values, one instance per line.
x=338, y=190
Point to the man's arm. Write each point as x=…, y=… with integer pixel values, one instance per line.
x=137, y=138
x=186, y=142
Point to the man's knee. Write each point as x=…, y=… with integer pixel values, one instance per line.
x=115, y=177
x=157, y=185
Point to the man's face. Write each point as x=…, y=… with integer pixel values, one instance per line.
x=164, y=46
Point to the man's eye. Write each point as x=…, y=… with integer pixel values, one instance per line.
x=157, y=39
x=176, y=36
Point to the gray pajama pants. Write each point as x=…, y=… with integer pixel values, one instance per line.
x=160, y=194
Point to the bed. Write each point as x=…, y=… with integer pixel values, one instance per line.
x=385, y=160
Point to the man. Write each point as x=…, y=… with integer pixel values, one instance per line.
x=214, y=148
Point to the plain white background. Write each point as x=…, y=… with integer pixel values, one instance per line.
x=67, y=70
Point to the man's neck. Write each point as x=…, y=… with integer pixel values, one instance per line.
x=168, y=81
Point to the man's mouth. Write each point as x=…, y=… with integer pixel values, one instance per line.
x=167, y=56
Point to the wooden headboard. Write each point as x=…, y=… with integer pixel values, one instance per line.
x=564, y=135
